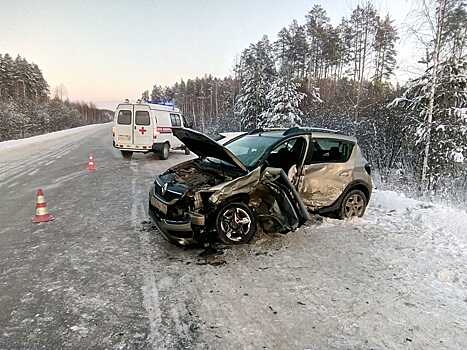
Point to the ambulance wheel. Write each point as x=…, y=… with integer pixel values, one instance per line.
x=165, y=151
x=127, y=154
x=187, y=151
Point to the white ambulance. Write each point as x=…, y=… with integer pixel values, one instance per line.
x=147, y=127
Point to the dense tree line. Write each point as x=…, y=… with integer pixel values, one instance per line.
x=339, y=76
x=27, y=110
x=314, y=62
x=434, y=105
x=208, y=101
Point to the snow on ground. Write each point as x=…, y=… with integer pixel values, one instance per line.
x=47, y=137
x=441, y=226
x=426, y=216
x=394, y=279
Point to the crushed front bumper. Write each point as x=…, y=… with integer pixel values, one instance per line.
x=176, y=231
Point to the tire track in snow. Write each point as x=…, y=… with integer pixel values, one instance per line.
x=21, y=168
x=149, y=288
x=170, y=304
x=45, y=155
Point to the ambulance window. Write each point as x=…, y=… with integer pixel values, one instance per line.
x=175, y=119
x=142, y=118
x=124, y=117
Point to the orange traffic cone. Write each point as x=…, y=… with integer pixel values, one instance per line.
x=42, y=213
x=91, y=164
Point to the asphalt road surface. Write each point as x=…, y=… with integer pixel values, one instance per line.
x=100, y=277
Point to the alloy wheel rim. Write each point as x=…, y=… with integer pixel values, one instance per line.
x=354, y=206
x=236, y=223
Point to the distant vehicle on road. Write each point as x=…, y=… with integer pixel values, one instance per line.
x=147, y=127
x=270, y=177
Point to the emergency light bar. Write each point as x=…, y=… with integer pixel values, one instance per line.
x=161, y=102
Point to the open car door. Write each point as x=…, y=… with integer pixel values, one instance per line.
x=283, y=210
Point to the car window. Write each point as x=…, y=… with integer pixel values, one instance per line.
x=286, y=146
x=124, y=117
x=287, y=154
x=329, y=151
x=142, y=118
x=175, y=120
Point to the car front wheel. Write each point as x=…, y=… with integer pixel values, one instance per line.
x=353, y=205
x=235, y=223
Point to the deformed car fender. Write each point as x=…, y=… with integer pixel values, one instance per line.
x=240, y=185
x=274, y=178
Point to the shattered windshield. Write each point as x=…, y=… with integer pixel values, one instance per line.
x=250, y=148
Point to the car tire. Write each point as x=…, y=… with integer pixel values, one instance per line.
x=187, y=151
x=235, y=223
x=127, y=154
x=353, y=205
x=164, y=154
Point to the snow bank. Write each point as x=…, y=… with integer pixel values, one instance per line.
x=50, y=136
x=391, y=200
x=395, y=211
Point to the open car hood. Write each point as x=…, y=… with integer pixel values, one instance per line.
x=204, y=146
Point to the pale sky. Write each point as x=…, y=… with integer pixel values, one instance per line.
x=110, y=50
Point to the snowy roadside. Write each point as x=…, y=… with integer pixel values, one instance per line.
x=394, y=212
x=430, y=216
x=50, y=136
x=394, y=279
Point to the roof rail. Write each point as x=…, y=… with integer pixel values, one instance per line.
x=255, y=131
x=259, y=130
x=293, y=130
x=297, y=129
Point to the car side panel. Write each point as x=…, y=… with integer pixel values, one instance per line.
x=321, y=184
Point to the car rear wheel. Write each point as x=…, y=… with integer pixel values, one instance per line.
x=235, y=223
x=353, y=205
x=127, y=154
x=165, y=151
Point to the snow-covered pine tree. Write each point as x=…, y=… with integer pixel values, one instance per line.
x=284, y=100
x=448, y=126
x=248, y=103
x=256, y=72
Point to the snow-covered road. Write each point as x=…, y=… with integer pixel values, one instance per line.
x=100, y=277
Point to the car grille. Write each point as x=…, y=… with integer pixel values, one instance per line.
x=169, y=195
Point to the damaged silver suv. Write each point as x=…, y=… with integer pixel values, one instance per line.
x=272, y=178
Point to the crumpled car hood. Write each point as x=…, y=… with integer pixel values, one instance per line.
x=204, y=146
